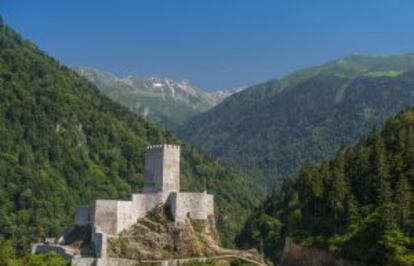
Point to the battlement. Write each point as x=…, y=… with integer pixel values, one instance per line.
x=162, y=147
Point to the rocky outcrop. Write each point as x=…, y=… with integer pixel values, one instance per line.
x=157, y=236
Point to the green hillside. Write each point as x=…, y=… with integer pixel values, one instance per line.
x=272, y=128
x=354, y=66
x=359, y=205
x=63, y=144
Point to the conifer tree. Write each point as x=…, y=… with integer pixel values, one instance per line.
x=409, y=153
x=380, y=170
x=404, y=198
x=360, y=203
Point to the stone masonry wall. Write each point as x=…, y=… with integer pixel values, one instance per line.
x=191, y=205
x=100, y=243
x=209, y=203
x=147, y=202
x=111, y=217
x=171, y=169
x=153, y=170
x=82, y=216
x=104, y=216
x=127, y=214
x=162, y=169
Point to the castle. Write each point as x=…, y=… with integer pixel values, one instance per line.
x=161, y=186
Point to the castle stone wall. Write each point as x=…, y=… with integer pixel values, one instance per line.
x=82, y=216
x=82, y=261
x=171, y=169
x=128, y=212
x=99, y=240
x=153, y=170
x=104, y=216
x=112, y=216
x=127, y=215
x=209, y=203
x=191, y=205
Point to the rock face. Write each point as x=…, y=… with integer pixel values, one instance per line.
x=158, y=237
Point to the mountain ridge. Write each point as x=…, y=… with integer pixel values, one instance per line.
x=272, y=127
x=156, y=98
x=220, y=95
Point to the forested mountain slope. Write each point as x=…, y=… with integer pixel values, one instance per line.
x=359, y=205
x=273, y=127
x=63, y=144
x=160, y=100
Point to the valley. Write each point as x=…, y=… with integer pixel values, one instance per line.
x=312, y=163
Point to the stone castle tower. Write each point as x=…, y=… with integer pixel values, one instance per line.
x=161, y=186
x=162, y=169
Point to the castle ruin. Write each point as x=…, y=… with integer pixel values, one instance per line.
x=107, y=218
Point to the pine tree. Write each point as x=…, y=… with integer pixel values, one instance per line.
x=352, y=217
x=311, y=189
x=403, y=198
x=358, y=171
x=338, y=191
x=409, y=153
x=381, y=180
x=380, y=170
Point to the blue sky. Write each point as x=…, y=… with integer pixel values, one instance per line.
x=215, y=44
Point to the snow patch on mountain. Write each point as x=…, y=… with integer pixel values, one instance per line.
x=220, y=95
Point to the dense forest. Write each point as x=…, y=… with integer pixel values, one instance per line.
x=63, y=144
x=272, y=128
x=360, y=204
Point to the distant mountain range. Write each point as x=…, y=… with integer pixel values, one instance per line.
x=158, y=99
x=270, y=129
